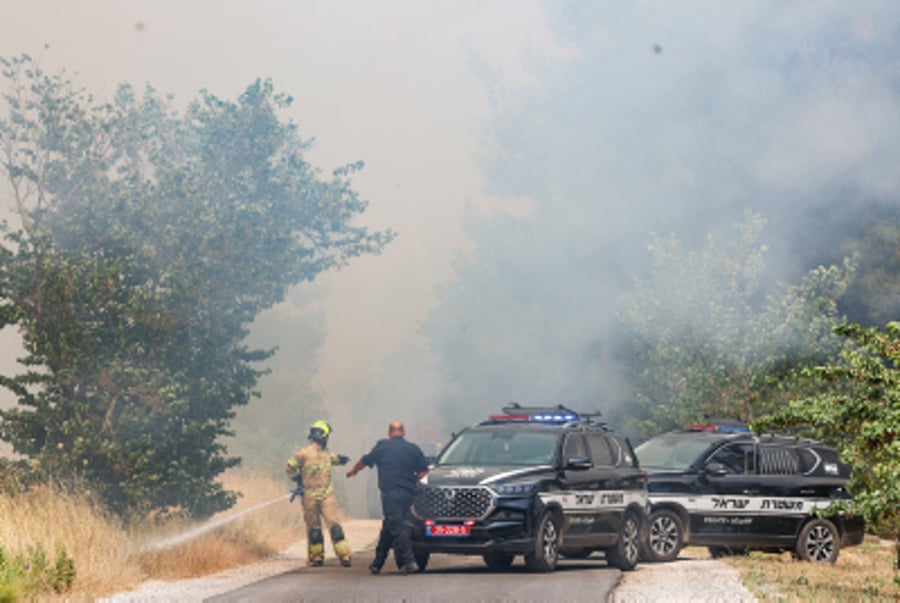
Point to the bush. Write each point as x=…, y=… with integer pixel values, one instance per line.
x=29, y=572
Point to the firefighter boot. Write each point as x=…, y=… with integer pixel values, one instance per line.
x=341, y=546
x=315, y=555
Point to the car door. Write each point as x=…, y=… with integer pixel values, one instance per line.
x=584, y=524
x=727, y=510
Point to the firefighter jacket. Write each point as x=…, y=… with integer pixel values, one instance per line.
x=314, y=464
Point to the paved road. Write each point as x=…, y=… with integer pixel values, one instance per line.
x=448, y=578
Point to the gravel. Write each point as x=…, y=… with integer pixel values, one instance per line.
x=682, y=580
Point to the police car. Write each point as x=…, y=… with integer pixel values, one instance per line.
x=719, y=485
x=537, y=482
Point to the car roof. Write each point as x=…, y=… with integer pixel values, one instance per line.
x=715, y=436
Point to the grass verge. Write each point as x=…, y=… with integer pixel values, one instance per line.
x=865, y=572
x=106, y=558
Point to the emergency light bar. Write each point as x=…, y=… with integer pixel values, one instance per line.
x=546, y=418
x=713, y=427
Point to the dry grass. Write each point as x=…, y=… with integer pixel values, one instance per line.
x=861, y=573
x=109, y=558
x=97, y=543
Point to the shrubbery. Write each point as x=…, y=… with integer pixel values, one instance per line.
x=30, y=572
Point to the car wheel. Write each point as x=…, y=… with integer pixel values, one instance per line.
x=666, y=536
x=498, y=561
x=546, y=545
x=422, y=558
x=819, y=542
x=626, y=553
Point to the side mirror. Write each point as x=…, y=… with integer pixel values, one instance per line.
x=716, y=470
x=579, y=463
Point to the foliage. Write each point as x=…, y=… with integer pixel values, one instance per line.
x=148, y=242
x=874, y=297
x=859, y=412
x=708, y=342
x=32, y=573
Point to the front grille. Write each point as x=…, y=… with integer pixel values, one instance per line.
x=457, y=502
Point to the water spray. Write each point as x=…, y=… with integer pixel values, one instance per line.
x=166, y=543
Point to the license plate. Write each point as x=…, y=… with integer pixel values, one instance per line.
x=441, y=531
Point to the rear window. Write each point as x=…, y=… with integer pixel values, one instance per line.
x=775, y=460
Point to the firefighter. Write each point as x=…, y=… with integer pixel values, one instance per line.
x=311, y=468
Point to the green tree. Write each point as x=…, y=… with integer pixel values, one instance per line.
x=708, y=342
x=147, y=243
x=874, y=297
x=858, y=410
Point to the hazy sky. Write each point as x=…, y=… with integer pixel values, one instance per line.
x=391, y=83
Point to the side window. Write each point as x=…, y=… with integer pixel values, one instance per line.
x=575, y=446
x=775, y=460
x=626, y=452
x=601, y=453
x=739, y=459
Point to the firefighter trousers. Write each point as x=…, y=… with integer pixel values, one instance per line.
x=319, y=510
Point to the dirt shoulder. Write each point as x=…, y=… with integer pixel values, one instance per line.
x=361, y=533
x=686, y=579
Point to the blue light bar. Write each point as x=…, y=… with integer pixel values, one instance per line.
x=554, y=418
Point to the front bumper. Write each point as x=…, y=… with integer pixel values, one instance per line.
x=489, y=536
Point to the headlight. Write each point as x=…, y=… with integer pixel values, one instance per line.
x=513, y=489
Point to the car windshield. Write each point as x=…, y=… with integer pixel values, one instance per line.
x=664, y=452
x=500, y=448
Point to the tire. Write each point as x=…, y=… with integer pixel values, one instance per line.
x=546, y=545
x=666, y=536
x=422, y=558
x=627, y=552
x=498, y=561
x=819, y=542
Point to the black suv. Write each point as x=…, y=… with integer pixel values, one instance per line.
x=539, y=482
x=721, y=486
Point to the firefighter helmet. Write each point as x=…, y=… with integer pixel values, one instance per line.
x=319, y=432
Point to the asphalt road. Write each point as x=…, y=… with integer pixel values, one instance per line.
x=448, y=578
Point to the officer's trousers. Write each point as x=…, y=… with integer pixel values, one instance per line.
x=395, y=505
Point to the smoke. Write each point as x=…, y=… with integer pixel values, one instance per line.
x=523, y=152
x=662, y=118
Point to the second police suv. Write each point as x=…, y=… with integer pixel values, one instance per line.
x=719, y=485
x=536, y=482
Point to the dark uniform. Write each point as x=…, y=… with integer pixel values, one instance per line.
x=399, y=463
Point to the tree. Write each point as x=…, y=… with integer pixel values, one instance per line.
x=874, y=297
x=707, y=341
x=148, y=242
x=858, y=410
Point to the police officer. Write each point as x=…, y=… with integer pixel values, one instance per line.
x=311, y=468
x=400, y=465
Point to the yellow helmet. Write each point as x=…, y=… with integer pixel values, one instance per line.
x=319, y=432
